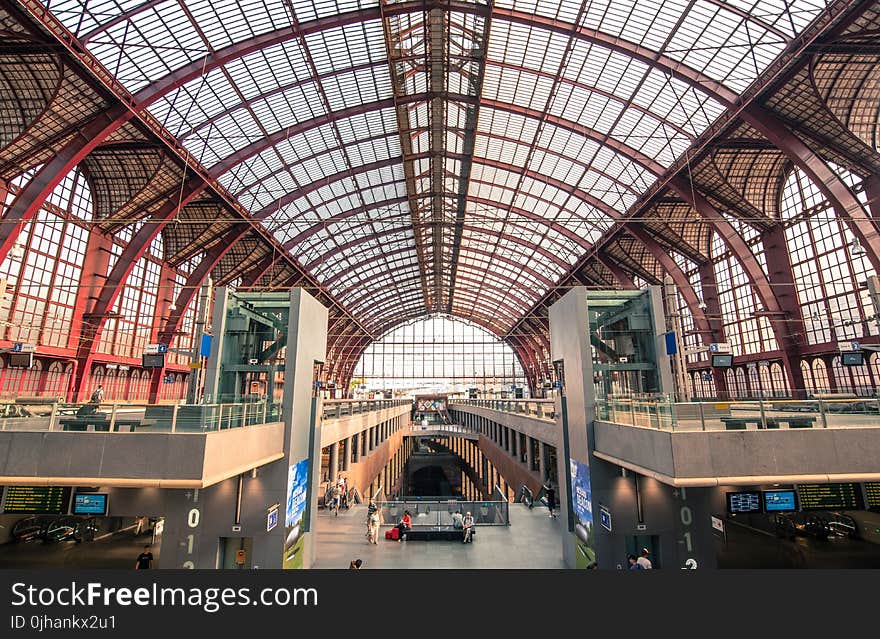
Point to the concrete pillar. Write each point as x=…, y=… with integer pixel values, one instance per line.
x=514, y=448
x=334, y=461
x=355, y=448
x=542, y=460
x=530, y=453
x=346, y=453
x=371, y=434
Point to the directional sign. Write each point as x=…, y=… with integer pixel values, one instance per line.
x=855, y=346
x=605, y=518
x=23, y=348
x=719, y=347
x=271, y=517
x=163, y=348
x=16, y=348
x=152, y=349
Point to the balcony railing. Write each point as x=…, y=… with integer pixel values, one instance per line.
x=135, y=418
x=538, y=408
x=770, y=414
x=337, y=408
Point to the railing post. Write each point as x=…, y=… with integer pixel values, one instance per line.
x=702, y=416
x=220, y=417
x=53, y=418
x=244, y=415
x=112, y=426
x=822, y=414
x=174, y=410
x=265, y=410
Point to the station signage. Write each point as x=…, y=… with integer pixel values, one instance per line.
x=36, y=500
x=829, y=496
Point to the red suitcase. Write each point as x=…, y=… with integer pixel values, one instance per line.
x=393, y=534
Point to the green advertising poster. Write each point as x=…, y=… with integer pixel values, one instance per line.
x=582, y=505
x=294, y=537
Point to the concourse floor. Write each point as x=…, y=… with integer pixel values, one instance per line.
x=117, y=551
x=533, y=540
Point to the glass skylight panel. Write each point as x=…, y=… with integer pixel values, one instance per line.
x=359, y=87
x=347, y=46
x=268, y=69
x=227, y=21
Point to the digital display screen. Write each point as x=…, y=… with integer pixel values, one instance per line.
x=830, y=496
x=872, y=492
x=722, y=361
x=852, y=359
x=90, y=504
x=41, y=500
x=21, y=360
x=744, y=502
x=780, y=501
x=153, y=361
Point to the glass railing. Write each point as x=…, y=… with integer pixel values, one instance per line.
x=135, y=418
x=337, y=408
x=433, y=512
x=538, y=408
x=724, y=415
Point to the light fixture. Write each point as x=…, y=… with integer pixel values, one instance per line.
x=702, y=305
x=173, y=307
x=17, y=251
x=855, y=248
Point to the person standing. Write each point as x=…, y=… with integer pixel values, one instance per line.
x=633, y=563
x=643, y=561
x=468, y=525
x=551, y=499
x=144, y=560
x=372, y=523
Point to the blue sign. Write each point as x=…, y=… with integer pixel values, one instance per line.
x=713, y=348
x=294, y=525
x=163, y=348
x=169, y=379
x=271, y=518
x=671, y=346
x=855, y=346
x=605, y=518
x=205, y=349
x=16, y=348
x=90, y=504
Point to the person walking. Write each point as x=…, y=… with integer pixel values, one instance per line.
x=643, y=561
x=373, y=524
x=97, y=395
x=551, y=499
x=144, y=560
x=355, y=564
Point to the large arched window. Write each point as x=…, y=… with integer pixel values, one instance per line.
x=438, y=354
x=829, y=267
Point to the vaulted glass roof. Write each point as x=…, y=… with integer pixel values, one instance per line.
x=420, y=157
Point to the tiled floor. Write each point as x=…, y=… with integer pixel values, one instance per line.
x=532, y=540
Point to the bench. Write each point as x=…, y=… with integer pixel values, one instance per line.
x=741, y=423
x=431, y=533
x=99, y=423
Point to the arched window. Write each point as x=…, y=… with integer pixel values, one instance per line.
x=741, y=384
x=438, y=354
x=807, y=372
x=826, y=271
x=56, y=381
x=841, y=376
x=732, y=387
x=780, y=383
x=44, y=280
x=766, y=383
x=820, y=377
x=30, y=380
x=96, y=379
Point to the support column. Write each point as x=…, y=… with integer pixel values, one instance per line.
x=364, y=443
x=530, y=453
x=333, y=470
x=542, y=460
x=514, y=448
x=346, y=455
x=355, y=448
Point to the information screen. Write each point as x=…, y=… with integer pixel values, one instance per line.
x=872, y=492
x=780, y=501
x=830, y=496
x=41, y=500
x=722, y=361
x=90, y=504
x=744, y=502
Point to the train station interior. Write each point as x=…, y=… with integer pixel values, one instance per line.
x=440, y=284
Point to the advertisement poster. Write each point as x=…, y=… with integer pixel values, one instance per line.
x=582, y=504
x=297, y=483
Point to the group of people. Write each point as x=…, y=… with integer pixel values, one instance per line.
x=465, y=524
x=640, y=563
x=337, y=494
